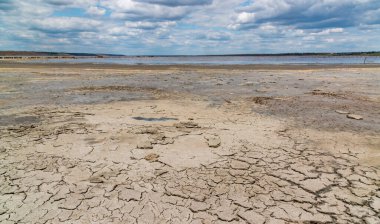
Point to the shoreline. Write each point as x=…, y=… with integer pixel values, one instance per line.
x=8, y=64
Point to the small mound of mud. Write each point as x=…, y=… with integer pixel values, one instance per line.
x=187, y=124
x=151, y=157
x=261, y=100
x=318, y=92
x=147, y=130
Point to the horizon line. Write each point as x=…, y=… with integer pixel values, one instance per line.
x=84, y=54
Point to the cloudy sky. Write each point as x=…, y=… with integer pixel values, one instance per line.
x=136, y=27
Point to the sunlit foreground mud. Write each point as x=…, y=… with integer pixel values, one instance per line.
x=189, y=144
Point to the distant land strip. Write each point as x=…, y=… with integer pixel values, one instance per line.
x=33, y=54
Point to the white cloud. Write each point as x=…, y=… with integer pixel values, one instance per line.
x=245, y=17
x=307, y=14
x=95, y=11
x=329, y=31
x=190, y=26
x=131, y=10
x=175, y=3
x=145, y=25
x=65, y=24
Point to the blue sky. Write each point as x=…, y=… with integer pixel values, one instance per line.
x=154, y=27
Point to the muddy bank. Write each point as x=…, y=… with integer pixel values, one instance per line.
x=310, y=97
x=49, y=65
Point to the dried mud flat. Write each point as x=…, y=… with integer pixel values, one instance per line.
x=189, y=144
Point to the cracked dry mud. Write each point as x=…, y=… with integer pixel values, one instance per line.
x=193, y=156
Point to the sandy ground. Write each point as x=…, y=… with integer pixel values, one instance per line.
x=189, y=144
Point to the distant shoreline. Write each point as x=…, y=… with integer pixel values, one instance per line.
x=63, y=55
x=91, y=66
x=21, y=58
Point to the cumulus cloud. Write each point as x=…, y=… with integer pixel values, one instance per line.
x=329, y=31
x=303, y=14
x=65, y=24
x=190, y=26
x=132, y=10
x=95, y=11
x=69, y=3
x=59, y=2
x=174, y=3
x=214, y=36
x=145, y=25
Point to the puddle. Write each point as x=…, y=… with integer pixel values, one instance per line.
x=155, y=119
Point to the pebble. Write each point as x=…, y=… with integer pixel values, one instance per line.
x=354, y=116
x=151, y=157
x=145, y=145
x=213, y=141
x=247, y=84
x=96, y=180
x=342, y=112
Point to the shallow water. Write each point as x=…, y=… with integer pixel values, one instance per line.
x=220, y=60
x=155, y=119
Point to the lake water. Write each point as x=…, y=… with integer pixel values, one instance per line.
x=219, y=60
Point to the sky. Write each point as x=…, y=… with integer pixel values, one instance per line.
x=188, y=27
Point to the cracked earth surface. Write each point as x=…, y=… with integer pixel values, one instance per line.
x=171, y=160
